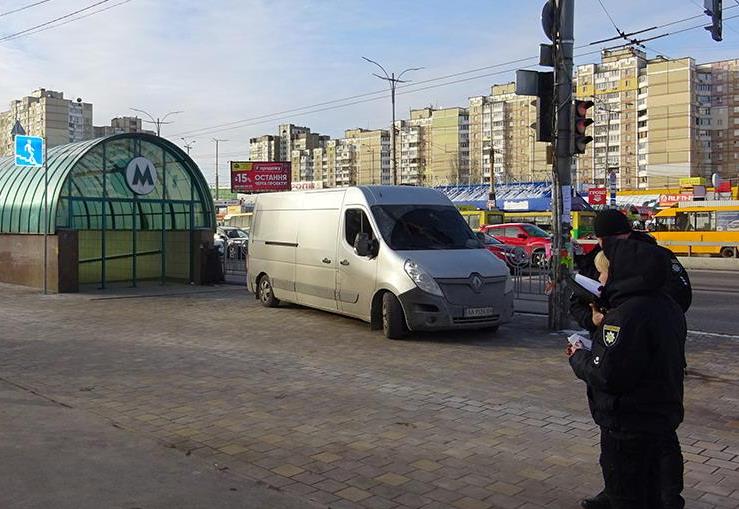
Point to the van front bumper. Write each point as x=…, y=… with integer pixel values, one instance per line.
x=426, y=312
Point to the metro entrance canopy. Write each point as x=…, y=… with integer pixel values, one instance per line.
x=130, y=202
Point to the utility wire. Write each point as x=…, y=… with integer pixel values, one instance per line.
x=87, y=15
x=19, y=9
x=411, y=88
x=609, y=16
x=11, y=36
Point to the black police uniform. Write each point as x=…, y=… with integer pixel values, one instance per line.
x=677, y=285
x=635, y=379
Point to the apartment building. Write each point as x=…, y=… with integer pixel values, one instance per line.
x=371, y=155
x=506, y=122
x=717, y=119
x=264, y=148
x=120, y=125
x=414, y=146
x=46, y=113
x=434, y=147
x=614, y=86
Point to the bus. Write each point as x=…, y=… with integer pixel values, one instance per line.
x=242, y=220
x=479, y=218
x=582, y=221
x=706, y=228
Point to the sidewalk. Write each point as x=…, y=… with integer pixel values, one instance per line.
x=57, y=456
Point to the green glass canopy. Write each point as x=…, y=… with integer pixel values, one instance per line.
x=88, y=189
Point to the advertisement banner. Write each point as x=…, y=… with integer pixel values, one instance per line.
x=597, y=195
x=306, y=185
x=727, y=221
x=692, y=181
x=260, y=176
x=668, y=200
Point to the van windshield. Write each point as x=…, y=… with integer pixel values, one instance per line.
x=423, y=227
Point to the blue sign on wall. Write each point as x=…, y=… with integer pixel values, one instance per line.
x=29, y=151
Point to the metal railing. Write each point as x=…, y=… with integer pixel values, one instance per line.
x=234, y=260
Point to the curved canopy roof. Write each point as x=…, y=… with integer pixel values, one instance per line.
x=87, y=188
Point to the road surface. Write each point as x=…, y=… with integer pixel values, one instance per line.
x=715, y=305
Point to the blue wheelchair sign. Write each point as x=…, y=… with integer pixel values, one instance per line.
x=29, y=151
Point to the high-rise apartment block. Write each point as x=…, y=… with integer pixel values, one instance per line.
x=47, y=113
x=433, y=147
x=658, y=120
x=503, y=132
x=655, y=121
x=264, y=148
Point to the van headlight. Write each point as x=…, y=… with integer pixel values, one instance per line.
x=422, y=278
x=508, y=285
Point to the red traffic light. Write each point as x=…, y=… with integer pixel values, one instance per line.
x=579, y=140
x=582, y=107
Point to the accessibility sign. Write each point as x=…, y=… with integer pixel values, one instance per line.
x=29, y=151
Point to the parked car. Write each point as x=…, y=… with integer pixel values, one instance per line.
x=235, y=239
x=401, y=258
x=536, y=243
x=513, y=256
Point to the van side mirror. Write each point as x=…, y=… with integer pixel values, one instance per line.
x=362, y=244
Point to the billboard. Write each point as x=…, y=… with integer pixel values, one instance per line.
x=260, y=176
x=597, y=195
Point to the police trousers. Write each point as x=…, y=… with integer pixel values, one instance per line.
x=642, y=471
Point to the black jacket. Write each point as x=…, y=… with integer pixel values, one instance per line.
x=635, y=370
x=677, y=284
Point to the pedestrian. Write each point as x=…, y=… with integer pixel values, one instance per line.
x=611, y=223
x=634, y=377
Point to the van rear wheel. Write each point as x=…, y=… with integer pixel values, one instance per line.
x=727, y=252
x=393, y=319
x=266, y=294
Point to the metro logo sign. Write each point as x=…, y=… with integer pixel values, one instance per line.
x=597, y=195
x=260, y=177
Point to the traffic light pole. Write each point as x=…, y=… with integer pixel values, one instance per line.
x=562, y=182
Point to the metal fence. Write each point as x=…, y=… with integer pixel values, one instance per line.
x=234, y=260
x=531, y=284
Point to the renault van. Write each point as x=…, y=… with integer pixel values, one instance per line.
x=401, y=258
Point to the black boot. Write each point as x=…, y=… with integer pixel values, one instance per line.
x=599, y=501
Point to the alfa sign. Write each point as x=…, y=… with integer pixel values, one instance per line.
x=597, y=196
x=260, y=177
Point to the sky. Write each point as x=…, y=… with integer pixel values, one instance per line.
x=250, y=61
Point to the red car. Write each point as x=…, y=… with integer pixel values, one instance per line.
x=536, y=243
x=510, y=255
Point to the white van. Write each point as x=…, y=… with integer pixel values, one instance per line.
x=401, y=258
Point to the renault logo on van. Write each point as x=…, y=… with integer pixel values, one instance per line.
x=141, y=175
x=476, y=282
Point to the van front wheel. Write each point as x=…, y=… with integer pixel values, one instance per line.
x=393, y=320
x=266, y=294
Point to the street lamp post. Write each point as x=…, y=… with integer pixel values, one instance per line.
x=187, y=144
x=393, y=80
x=217, y=141
x=156, y=121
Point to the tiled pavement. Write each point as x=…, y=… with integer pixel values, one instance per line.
x=319, y=406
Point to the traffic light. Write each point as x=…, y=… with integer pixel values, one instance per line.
x=713, y=9
x=580, y=123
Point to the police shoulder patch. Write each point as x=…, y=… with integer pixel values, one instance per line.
x=610, y=334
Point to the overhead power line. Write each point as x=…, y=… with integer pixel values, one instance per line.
x=414, y=87
x=71, y=20
x=609, y=16
x=16, y=34
x=19, y=9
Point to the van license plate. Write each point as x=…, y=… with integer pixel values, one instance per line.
x=477, y=312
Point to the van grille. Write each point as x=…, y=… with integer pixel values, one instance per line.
x=461, y=293
x=484, y=319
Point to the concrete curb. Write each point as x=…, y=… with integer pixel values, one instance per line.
x=705, y=263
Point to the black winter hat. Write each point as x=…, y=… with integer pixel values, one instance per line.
x=610, y=222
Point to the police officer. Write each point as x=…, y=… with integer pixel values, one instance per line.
x=611, y=223
x=634, y=375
